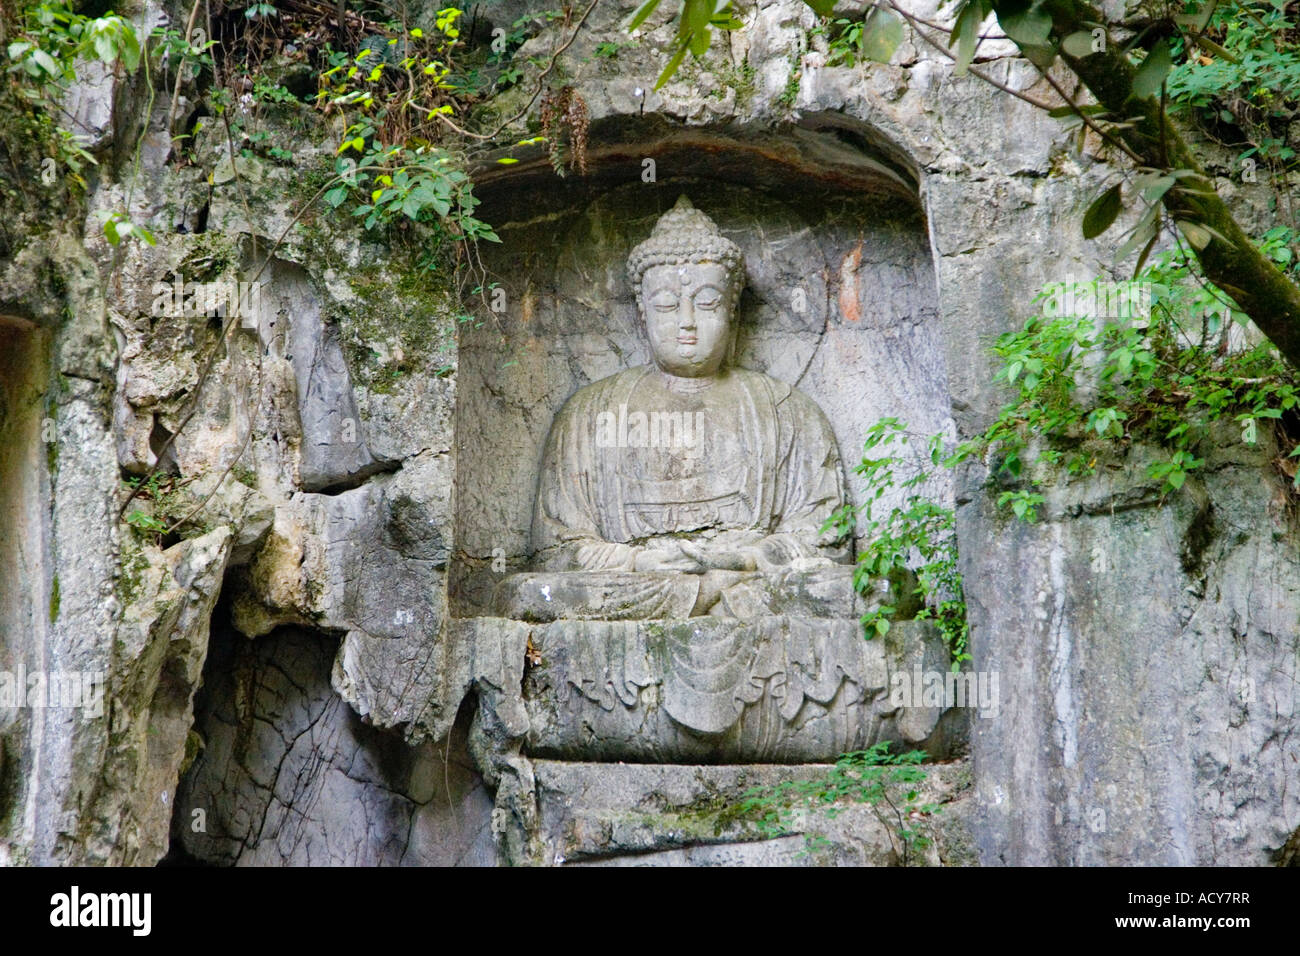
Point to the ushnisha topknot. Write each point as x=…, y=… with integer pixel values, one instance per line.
x=685, y=235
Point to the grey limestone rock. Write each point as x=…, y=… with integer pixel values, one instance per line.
x=894, y=220
x=677, y=815
x=289, y=775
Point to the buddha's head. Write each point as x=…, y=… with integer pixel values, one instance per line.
x=687, y=277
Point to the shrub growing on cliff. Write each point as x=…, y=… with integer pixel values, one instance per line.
x=1138, y=67
x=1166, y=376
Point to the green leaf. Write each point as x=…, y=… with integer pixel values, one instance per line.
x=1146, y=253
x=642, y=12
x=1030, y=28
x=1078, y=44
x=1214, y=233
x=130, y=47
x=1151, y=74
x=1041, y=56
x=822, y=8
x=45, y=62
x=1153, y=186
x=1143, y=232
x=965, y=33
x=1102, y=212
x=884, y=34
x=672, y=66
x=699, y=43
x=694, y=16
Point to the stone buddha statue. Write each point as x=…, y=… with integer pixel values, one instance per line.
x=688, y=486
x=683, y=603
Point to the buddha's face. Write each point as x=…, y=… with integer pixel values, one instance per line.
x=687, y=312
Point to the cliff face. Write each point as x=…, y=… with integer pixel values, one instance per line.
x=351, y=465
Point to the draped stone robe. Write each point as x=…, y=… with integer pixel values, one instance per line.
x=748, y=457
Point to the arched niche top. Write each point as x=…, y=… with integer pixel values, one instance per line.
x=821, y=156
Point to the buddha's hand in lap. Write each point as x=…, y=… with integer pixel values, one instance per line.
x=694, y=557
x=714, y=558
x=783, y=552
x=773, y=555
x=668, y=556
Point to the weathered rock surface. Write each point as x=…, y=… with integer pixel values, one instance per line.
x=375, y=482
x=1150, y=647
x=289, y=775
x=658, y=815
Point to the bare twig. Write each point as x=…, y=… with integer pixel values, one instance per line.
x=1087, y=120
x=180, y=67
x=915, y=24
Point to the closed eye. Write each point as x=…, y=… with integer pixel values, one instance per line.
x=708, y=297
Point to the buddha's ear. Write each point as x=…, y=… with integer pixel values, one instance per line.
x=733, y=345
x=636, y=302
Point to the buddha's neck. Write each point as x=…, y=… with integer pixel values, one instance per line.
x=684, y=385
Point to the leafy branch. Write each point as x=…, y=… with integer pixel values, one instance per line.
x=1130, y=84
